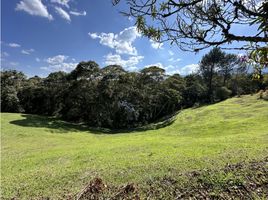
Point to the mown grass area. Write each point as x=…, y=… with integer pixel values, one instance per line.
x=45, y=157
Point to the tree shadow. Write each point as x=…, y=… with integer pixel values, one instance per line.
x=55, y=125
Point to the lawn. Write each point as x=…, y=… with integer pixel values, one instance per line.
x=46, y=157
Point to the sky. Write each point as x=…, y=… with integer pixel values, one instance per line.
x=43, y=36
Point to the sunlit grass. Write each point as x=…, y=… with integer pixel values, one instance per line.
x=46, y=157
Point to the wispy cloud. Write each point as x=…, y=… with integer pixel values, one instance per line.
x=27, y=51
x=13, y=45
x=4, y=54
x=63, y=14
x=170, y=52
x=174, y=60
x=34, y=7
x=14, y=64
x=76, y=13
x=61, y=2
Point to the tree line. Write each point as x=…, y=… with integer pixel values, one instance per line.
x=112, y=97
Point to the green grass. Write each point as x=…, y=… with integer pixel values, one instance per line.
x=47, y=157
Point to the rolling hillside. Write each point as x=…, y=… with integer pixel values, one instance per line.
x=45, y=157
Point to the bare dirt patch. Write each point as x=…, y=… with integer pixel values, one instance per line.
x=239, y=181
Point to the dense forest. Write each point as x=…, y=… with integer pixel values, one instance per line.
x=112, y=97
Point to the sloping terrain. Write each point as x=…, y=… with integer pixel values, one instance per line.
x=46, y=157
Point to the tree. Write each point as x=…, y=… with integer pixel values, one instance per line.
x=114, y=98
x=198, y=24
x=113, y=71
x=154, y=73
x=195, y=90
x=85, y=70
x=227, y=66
x=9, y=100
x=12, y=82
x=209, y=65
x=222, y=93
x=12, y=78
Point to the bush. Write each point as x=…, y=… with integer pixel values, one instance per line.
x=9, y=100
x=222, y=93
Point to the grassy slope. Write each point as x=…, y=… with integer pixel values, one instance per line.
x=44, y=157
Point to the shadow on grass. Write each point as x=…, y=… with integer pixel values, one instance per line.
x=54, y=124
x=58, y=126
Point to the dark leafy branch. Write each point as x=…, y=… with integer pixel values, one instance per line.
x=194, y=25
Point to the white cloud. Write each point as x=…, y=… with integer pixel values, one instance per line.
x=56, y=59
x=63, y=14
x=156, y=45
x=121, y=42
x=27, y=51
x=172, y=69
x=59, y=63
x=187, y=69
x=61, y=2
x=37, y=59
x=93, y=35
x=75, y=13
x=34, y=7
x=129, y=64
x=13, y=45
x=169, y=68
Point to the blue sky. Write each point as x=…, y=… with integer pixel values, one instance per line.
x=42, y=36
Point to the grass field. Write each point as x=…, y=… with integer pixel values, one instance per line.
x=44, y=157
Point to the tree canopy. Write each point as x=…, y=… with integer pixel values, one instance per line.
x=112, y=97
x=199, y=24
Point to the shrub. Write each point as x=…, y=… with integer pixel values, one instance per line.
x=222, y=93
x=9, y=100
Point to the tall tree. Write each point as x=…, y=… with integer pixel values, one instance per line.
x=209, y=65
x=227, y=66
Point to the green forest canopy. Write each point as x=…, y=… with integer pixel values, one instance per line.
x=111, y=97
